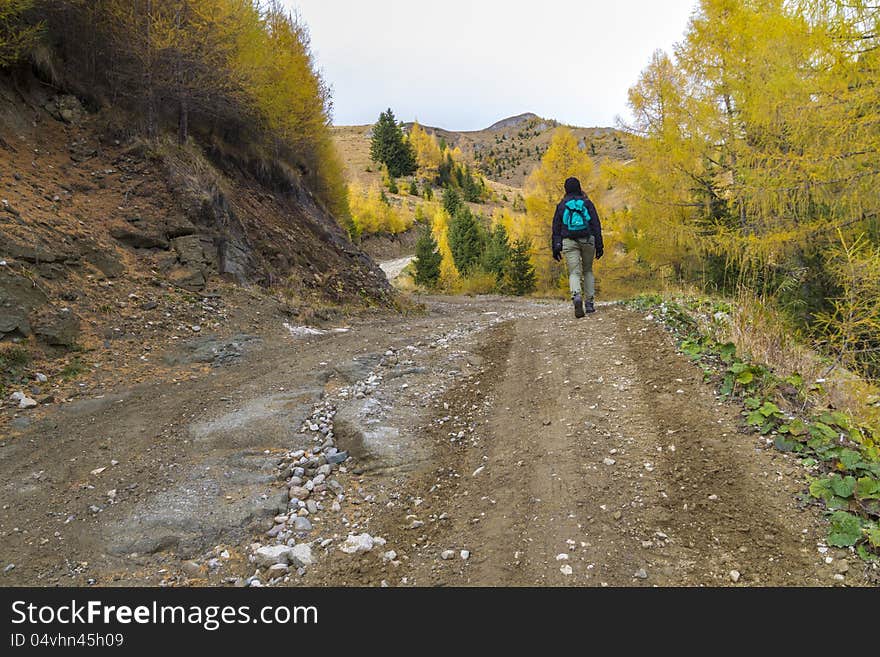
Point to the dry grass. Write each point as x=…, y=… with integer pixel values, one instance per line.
x=477, y=284
x=763, y=336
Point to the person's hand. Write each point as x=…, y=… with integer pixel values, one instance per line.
x=599, y=253
x=557, y=254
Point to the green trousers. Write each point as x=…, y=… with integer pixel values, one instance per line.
x=579, y=256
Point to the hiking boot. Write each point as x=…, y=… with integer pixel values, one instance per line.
x=578, y=306
x=590, y=307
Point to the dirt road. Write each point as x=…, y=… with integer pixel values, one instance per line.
x=493, y=442
x=393, y=268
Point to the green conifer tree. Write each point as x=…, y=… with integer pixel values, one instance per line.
x=427, y=260
x=451, y=201
x=389, y=147
x=497, y=255
x=520, y=276
x=465, y=241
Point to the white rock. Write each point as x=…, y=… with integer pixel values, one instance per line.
x=27, y=402
x=301, y=555
x=391, y=555
x=42, y=378
x=446, y=555
x=608, y=461
x=734, y=576
x=269, y=555
x=465, y=554
x=562, y=557
x=566, y=570
x=478, y=470
x=357, y=543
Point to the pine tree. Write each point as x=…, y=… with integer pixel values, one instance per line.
x=389, y=147
x=427, y=260
x=497, y=255
x=470, y=189
x=465, y=241
x=413, y=188
x=451, y=201
x=520, y=276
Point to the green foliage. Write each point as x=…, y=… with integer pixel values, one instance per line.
x=451, y=201
x=427, y=260
x=497, y=255
x=846, y=529
x=470, y=189
x=72, y=369
x=413, y=188
x=389, y=147
x=17, y=34
x=466, y=240
x=520, y=278
x=14, y=358
x=831, y=440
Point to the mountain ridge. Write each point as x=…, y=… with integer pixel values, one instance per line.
x=504, y=152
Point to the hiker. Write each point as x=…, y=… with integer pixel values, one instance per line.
x=577, y=234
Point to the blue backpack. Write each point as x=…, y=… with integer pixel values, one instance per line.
x=576, y=217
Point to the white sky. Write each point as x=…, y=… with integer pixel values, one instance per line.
x=464, y=64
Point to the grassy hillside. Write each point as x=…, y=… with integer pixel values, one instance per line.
x=505, y=152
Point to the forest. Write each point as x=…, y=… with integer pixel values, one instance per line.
x=756, y=166
x=238, y=75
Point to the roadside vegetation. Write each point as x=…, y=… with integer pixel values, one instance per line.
x=830, y=424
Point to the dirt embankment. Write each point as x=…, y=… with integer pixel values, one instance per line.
x=482, y=448
x=112, y=248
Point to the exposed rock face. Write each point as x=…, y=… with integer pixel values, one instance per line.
x=65, y=108
x=62, y=330
x=18, y=297
x=138, y=239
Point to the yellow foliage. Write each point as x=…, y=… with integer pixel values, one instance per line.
x=427, y=150
x=16, y=36
x=373, y=214
x=449, y=276
x=757, y=162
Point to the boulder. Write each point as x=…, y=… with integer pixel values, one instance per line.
x=178, y=227
x=103, y=260
x=65, y=108
x=189, y=249
x=358, y=543
x=301, y=555
x=14, y=321
x=59, y=331
x=187, y=277
x=269, y=555
x=138, y=239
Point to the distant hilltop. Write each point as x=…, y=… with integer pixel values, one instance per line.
x=514, y=121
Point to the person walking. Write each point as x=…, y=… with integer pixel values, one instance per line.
x=577, y=234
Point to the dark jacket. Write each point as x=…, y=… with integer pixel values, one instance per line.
x=560, y=232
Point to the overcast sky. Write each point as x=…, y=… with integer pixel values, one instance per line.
x=464, y=64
